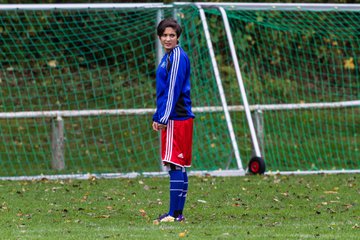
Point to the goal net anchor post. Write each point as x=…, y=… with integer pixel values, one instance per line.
x=57, y=144
x=258, y=119
x=159, y=55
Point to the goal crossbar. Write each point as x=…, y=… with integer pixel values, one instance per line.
x=233, y=5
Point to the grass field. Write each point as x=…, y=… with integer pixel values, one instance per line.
x=251, y=207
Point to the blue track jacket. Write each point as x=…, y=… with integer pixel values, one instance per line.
x=173, y=87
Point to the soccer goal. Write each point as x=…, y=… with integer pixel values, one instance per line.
x=78, y=90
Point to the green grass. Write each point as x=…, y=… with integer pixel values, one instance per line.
x=251, y=207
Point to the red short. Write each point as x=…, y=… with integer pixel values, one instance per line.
x=176, y=142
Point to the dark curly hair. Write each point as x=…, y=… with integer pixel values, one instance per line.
x=169, y=22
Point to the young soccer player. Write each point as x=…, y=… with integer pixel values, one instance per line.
x=173, y=116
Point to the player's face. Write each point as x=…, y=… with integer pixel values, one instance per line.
x=169, y=39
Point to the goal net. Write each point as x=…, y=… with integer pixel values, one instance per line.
x=300, y=65
x=78, y=88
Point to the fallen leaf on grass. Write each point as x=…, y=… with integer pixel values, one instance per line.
x=92, y=178
x=331, y=210
x=286, y=194
x=183, y=234
x=330, y=192
x=44, y=179
x=348, y=206
x=85, y=197
x=142, y=212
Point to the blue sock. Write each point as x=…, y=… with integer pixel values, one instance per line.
x=184, y=193
x=176, y=189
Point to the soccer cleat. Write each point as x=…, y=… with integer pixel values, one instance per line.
x=180, y=218
x=166, y=218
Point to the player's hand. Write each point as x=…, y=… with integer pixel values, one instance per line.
x=161, y=126
x=157, y=126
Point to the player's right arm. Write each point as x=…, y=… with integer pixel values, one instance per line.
x=174, y=83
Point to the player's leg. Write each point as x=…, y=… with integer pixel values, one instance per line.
x=187, y=150
x=176, y=189
x=179, y=213
x=170, y=151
